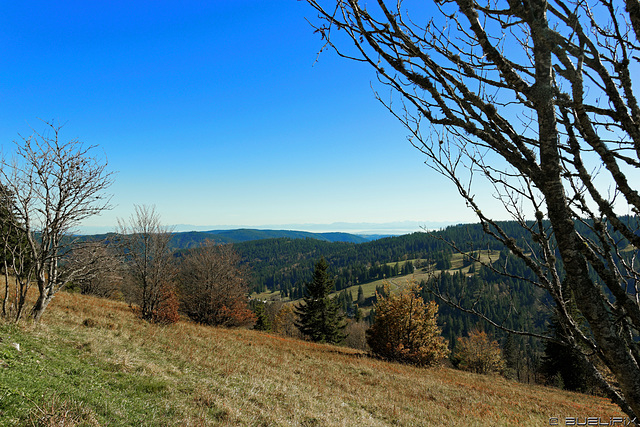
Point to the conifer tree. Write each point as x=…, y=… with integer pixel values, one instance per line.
x=360, y=295
x=512, y=358
x=320, y=316
x=357, y=315
x=262, y=319
x=14, y=256
x=562, y=364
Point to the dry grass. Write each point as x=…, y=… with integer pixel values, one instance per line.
x=188, y=374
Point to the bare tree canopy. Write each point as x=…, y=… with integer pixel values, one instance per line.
x=51, y=186
x=537, y=98
x=144, y=244
x=213, y=286
x=98, y=267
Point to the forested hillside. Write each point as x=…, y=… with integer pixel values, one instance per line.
x=511, y=301
x=286, y=264
x=194, y=238
x=445, y=263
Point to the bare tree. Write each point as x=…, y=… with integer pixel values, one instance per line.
x=536, y=97
x=53, y=185
x=98, y=267
x=213, y=287
x=149, y=265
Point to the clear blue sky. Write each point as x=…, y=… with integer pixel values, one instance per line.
x=216, y=112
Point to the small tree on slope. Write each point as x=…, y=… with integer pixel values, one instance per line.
x=405, y=329
x=50, y=186
x=478, y=353
x=320, y=317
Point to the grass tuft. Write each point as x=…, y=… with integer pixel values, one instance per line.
x=59, y=412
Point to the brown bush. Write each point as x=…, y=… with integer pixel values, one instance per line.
x=406, y=330
x=285, y=322
x=356, y=335
x=168, y=308
x=478, y=353
x=213, y=287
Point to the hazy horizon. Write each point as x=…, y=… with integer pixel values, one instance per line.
x=362, y=228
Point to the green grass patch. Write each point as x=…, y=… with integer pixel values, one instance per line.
x=54, y=372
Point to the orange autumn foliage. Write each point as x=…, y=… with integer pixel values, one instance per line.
x=406, y=329
x=167, y=311
x=478, y=353
x=213, y=287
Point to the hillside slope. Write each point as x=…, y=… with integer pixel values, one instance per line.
x=189, y=239
x=93, y=362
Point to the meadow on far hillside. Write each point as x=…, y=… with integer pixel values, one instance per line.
x=92, y=362
x=397, y=283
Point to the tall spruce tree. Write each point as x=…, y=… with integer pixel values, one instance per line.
x=360, y=300
x=320, y=316
x=561, y=363
x=263, y=323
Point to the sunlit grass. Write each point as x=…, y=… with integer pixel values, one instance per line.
x=397, y=283
x=94, y=360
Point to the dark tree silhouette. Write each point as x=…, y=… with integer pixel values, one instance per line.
x=320, y=316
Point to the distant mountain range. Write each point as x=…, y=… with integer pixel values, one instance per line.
x=360, y=228
x=187, y=239
x=190, y=239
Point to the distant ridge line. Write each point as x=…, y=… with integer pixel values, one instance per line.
x=191, y=238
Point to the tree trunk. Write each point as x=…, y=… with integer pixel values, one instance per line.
x=5, y=298
x=43, y=300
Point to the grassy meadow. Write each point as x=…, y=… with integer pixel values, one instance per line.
x=91, y=362
x=398, y=283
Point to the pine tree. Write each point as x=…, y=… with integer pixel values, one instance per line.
x=360, y=295
x=563, y=366
x=320, y=316
x=512, y=358
x=357, y=316
x=262, y=319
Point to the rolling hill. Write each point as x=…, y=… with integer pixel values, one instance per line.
x=189, y=239
x=92, y=362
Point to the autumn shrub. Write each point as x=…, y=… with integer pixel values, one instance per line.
x=213, y=287
x=405, y=329
x=285, y=322
x=272, y=308
x=168, y=308
x=356, y=335
x=478, y=353
x=101, y=270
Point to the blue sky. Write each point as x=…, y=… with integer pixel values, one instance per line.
x=215, y=112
